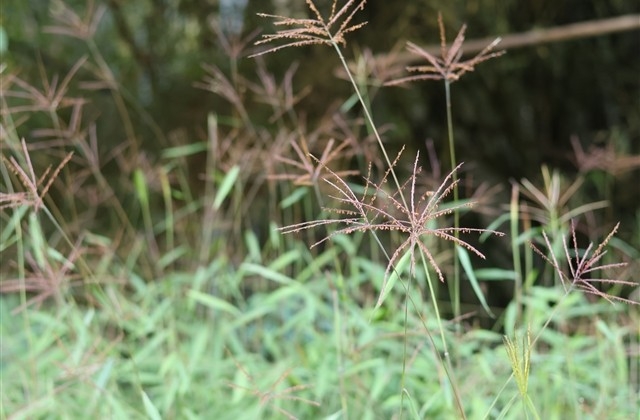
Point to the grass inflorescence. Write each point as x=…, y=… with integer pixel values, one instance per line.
x=283, y=265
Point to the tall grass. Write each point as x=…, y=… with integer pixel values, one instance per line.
x=161, y=290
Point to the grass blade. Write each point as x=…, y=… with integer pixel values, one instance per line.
x=150, y=408
x=225, y=187
x=465, y=261
x=213, y=302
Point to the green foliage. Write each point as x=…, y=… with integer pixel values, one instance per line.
x=145, y=273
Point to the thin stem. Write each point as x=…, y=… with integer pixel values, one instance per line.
x=117, y=98
x=435, y=303
x=405, y=345
x=529, y=404
x=456, y=214
x=369, y=118
x=555, y=309
x=515, y=251
x=339, y=348
x=447, y=362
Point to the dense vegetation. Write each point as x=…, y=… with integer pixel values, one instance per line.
x=209, y=213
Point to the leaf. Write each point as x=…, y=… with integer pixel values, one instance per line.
x=465, y=261
x=225, y=186
x=172, y=256
x=266, y=272
x=213, y=302
x=253, y=246
x=285, y=260
x=9, y=233
x=510, y=318
x=39, y=243
x=393, y=277
x=349, y=103
x=495, y=274
x=150, y=408
x=4, y=42
x=294, y=197
x=141, y=188
x=185, y=150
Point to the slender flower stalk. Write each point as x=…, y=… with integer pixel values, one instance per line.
x=582, y=265
x=450, y=68
x=320, y=31
x=378, y=210
x=520, y=358
x=381, y=211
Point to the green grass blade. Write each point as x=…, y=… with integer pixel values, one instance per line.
x=266, y=273
x=393, y=278
x=495, y=274
x=150, y=408
x=465, y=261
x=141, y=188
x=184, y=150
x=225, y=187
x=213, y=302
x=38, y=240
x=297, y=195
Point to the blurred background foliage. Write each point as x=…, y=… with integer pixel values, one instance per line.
x=512, y=115
x=158, y=244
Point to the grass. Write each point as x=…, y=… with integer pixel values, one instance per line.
x=146, y=294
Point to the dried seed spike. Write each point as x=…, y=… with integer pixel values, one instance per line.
x=455, y=51
x=443, y=37
x=585, y=264
x=27, y=158
x=448, y=66
x=24, y=178
x=413, y=183
x=312, y=31
x=55, y=174
x=606, y=240
x=315, y=10
x=343, y=28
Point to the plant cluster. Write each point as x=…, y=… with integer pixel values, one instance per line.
x=302, y=272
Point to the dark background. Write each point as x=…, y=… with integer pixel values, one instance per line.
x=511, y=115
